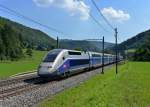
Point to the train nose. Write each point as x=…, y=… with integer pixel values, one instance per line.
x=45, y=69
x=46, y=73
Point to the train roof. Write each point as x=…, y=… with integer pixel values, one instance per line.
x=80, y=51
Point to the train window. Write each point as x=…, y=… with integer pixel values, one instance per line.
x=105, y=55
x=96, y=55
x=74, y=53
x=79, y=62
x=51, y=56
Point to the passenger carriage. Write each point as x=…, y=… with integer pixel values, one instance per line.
x=61, y=62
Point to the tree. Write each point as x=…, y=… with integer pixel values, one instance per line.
x=11, y=43
x=78, y=49
x=29, y=52
x=2, y=48
x=143, y=52
x=21, y=40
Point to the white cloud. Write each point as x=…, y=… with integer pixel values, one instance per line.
x=74, y=7
x=115, y=15
x=43, y=3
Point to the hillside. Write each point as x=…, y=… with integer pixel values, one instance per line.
x=15, y=37
x=84, y=45
x=31, y=37
x=136, y=41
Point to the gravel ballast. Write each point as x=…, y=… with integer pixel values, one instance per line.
x=32, y=97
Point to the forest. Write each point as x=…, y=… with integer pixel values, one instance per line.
x=15, y=38
x=11, y=43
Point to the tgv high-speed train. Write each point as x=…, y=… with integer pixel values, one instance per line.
x=62, y=62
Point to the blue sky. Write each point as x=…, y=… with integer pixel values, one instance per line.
x=68, y=16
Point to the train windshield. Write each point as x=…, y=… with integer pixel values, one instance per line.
x=51, y=56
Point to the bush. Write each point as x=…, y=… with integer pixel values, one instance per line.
x=29, y=52
x=143, y=52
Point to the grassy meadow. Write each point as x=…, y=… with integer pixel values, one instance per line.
x=8, y=68
x=130, y=88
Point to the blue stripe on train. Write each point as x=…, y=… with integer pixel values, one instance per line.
x=72, y=63
x=65, y=66
x=78, y=62
x=96, y=61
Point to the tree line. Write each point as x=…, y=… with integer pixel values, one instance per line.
x=143, y=52
x=10, y=43
x=17, y=41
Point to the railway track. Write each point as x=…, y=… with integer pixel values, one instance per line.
x=15, y=80
x=15, y=91
x=16, y=85
x=37, y=90
x=27, y=84
x=6, y=93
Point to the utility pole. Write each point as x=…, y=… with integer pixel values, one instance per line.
x=116, y=34
x=57, y=42
x=103, y=56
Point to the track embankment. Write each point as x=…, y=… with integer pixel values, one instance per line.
x=29, y=90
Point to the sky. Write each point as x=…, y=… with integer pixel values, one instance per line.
x=71, y=17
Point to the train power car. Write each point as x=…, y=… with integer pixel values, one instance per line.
x=62, y=62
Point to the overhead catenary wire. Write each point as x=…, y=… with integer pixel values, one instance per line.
x=13, y=12
x=95, y=20
x=105, y=19
x=58, y=31
x=6, y=11
x=114, y=29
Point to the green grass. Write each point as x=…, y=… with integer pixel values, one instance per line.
x=9, y=68
x=130, y=88
x=130, y=50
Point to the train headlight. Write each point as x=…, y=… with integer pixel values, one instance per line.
x=49, y=68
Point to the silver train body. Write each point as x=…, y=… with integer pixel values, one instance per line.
x=61, y=62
